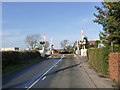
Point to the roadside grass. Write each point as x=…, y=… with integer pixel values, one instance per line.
x=11, y=68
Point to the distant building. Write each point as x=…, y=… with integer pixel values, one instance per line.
x=100, y=45
x=10, y=49
x=91, y=42
x=27, y=49
x=57, y=50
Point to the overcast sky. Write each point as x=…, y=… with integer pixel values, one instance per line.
x=59, y=20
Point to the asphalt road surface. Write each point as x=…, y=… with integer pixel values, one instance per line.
x=61, y=71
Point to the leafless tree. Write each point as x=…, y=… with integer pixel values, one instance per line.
x=32, y=40
x=64, y=44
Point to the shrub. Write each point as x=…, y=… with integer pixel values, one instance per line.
x=116, y=49
x=18, y=57
x=98, y=58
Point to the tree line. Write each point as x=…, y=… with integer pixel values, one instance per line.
x=109, y=17
x=68, y=46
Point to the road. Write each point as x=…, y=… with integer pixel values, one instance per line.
x=62, y=71
x=66, y=74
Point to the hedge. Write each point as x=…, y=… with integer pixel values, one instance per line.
x=18, y=57
x=98, y=58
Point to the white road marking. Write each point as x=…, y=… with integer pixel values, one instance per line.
x=44, y=78
x=43, y=75
x=55, y=65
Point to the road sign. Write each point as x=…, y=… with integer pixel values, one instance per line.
x=82, y=42
x=42, y=43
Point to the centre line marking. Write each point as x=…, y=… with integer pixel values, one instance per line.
x=43, y=75
x=55, y=65
x=44, y=78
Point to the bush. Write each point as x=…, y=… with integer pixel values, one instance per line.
x=18, y=57
x=116, y=49
x=98, y=58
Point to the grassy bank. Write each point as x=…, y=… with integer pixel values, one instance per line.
x=11, y=68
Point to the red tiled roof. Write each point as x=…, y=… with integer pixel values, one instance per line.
x=91, y=42
x=58, y=50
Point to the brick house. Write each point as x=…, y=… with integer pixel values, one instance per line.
x=91, y=42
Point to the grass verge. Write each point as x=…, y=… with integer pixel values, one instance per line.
x=11, y=68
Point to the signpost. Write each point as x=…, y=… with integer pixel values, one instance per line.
x=51, y=46
x=81, y=42
x=43, y=44
x=77, y=51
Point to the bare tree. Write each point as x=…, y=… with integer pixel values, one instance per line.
x=70, y=46
x=64, y=44
x=32, y=40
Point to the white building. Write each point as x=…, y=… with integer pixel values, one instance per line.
x=100, y=45
x=10, y=49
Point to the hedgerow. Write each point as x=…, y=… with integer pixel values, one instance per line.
x=18, y=57
x=98, y=58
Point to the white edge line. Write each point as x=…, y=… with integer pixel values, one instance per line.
x=42, y=75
